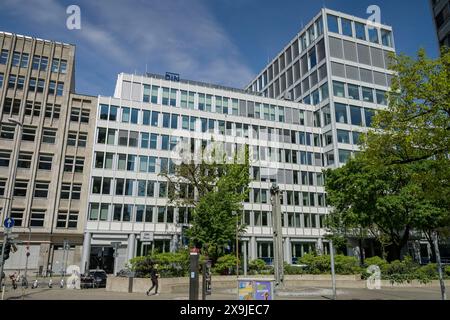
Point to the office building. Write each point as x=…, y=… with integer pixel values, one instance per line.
x=304, y=112
x=441, y=16
x=49, y=189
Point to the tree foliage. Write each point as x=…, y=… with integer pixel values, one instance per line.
x=400, y=182
x=218, y=189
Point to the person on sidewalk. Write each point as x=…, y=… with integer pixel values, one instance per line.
x=154, y=277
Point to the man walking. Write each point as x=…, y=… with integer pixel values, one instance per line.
x=154, y=277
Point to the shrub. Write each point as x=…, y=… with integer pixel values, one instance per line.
x=259, y=266
x=225, y=264
x=346, y=265
x=447, y=271
x=377, y=261
x=316, y=264
x=427, y=273
x=293, y=269
x=170, y=264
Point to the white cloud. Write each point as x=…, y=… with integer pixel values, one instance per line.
x=179, y=36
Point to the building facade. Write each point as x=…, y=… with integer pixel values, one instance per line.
x=43, y=171
x=441, y=16
x=303, y=113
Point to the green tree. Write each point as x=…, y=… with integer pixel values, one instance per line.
x=400, y=182
x=219, y=187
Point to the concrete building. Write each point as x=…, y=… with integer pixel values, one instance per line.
x=304, y=112
x=441, y=16
x=49, y=189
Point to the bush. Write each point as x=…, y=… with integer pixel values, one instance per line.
x=447, y=271
x=259, y=266
x=225, y=264
x=170, y=264
x=293, y=269
x=316, y=264
x=346, y=265
x=377, y=261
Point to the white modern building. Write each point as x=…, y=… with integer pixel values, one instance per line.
x=303, y=113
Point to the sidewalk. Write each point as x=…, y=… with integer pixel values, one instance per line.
x=230, y=294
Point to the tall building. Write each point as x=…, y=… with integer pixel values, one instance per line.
x=304, y=112
x=441, y=15
x=46, y=195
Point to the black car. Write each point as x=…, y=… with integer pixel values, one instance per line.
x=95, y=279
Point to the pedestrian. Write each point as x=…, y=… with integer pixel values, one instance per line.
x=13, y=278
x=154, y=277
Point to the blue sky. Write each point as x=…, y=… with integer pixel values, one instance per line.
x=219, y=41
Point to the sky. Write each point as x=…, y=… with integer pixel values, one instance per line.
x=226, y=42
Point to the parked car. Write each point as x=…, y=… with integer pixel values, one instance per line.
x=94, y=279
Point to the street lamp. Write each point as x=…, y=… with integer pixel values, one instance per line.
x=10, y=190
x=234, y=213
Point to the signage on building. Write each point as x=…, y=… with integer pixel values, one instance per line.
x=172, y=76
x=146, y=236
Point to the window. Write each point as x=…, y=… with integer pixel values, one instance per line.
x=312, y=59
x=7, y=131
x=24, y=160
x=347, y=27
x=332, y=23
x=355, y=115
x=155, y=116
x=341, y=113
x=4, y=56
x=40, y=85
x=28, y=133
x=381, y=97
x=343, y=136
x=45, y=161
x=79, y=115
x=373, y=34
x=360, y=31
x=24, y=60
x=146, y=93
x=1, y=80
x=386, y=38
x=4, y=158
x=338, y=89
x=12, y=81
x=48, y=135
x=356, y=135
x=368, y=114
x=52, y=111
x=2, y=186
x=155, y=94
x=344, y=155
x=20, y=188
x=367, y=94
x=166, y=120
x=72, y=138
x=37, y=217
x=41, y=189
x=44, y=63
x=20, y=82
x=353, y=91
x=16, y=59
x=66, y=219
x=52, y=87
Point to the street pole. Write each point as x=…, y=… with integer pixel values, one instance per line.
x=333, y=274
x=277, y=235
x=8, y=198
x=27, y=254
x=439, y=265
x=234, y=213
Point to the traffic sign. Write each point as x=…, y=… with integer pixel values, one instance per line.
x=9, y=223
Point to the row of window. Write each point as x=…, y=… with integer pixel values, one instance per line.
x=12, y=107
x=138, y=213
x=65, y=219
x=299, y=46
x=204, y=102
x=359, y=30
x=21, y=59
x=71, y=163
x=355, y=92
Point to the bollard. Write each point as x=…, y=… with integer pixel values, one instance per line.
x=130, y=284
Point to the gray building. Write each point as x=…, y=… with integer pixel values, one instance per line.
x=46, y=196
x=441, y=16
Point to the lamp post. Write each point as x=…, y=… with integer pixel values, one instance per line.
x=10, y=191
x=234, y=213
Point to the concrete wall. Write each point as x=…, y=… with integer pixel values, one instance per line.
x=181, y=285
